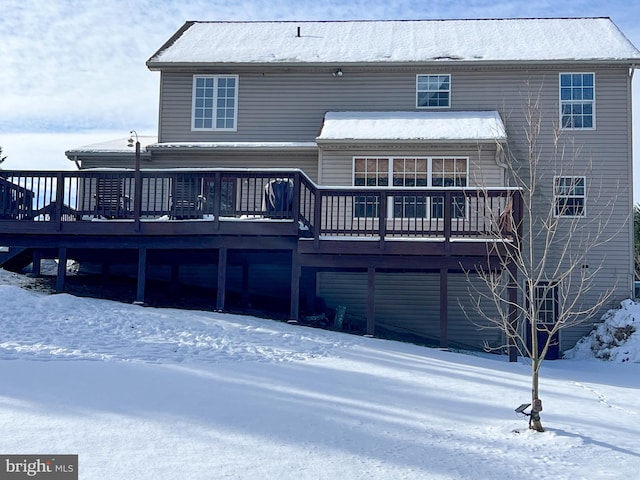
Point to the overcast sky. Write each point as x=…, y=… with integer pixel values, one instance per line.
x=73, y=71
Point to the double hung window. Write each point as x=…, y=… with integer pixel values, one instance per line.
x=577, y=100
x=546, y=303
x=569, y=196
x=215, y=102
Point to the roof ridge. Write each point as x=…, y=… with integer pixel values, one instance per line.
x=416, y=20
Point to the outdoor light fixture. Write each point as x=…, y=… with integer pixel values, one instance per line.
x=137, y=179
x=337, y=73
x=130, y=143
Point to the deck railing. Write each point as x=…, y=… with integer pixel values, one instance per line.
x=272, y=194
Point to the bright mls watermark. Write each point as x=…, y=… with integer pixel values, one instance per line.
x=50, y=467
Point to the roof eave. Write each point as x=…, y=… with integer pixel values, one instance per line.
x=159, y=65
x=410, y=141
x=231, y=147
x=74, y=154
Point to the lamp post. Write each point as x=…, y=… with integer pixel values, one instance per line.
x=137, y=189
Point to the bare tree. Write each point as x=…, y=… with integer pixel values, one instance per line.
x=545, y=279
x=2, y=159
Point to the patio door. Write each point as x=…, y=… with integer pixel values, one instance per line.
x=546, y=298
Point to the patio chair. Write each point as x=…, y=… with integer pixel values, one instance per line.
x=187, y=200
x=111, y=201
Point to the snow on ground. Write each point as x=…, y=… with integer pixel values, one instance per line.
x=616, y=339
x=160, y=394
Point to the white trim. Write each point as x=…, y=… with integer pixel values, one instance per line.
x=216, y=79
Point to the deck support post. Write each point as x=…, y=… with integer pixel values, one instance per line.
x=36, y=263
x=62, y=269
x=308, y=277
x=512, y=290
x=294, y=312
x=371, y=301
x=142, y=276
x=444, y=307
x=222, y=278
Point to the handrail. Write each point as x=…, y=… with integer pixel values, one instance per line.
x=316, y=211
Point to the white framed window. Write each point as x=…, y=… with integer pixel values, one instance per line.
x=578, y=101
x=410, y=172
x=570, y=195
x=433, y=91
x=546, y=303
x=449, y=172
x=369, y=172
x=215, y=102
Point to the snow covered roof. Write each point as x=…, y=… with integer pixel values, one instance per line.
x=413, y=126
x=234, y=146
x=116, y=146
x=490, y=40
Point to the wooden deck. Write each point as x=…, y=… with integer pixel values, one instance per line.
x=245, y=202
x=86, y=214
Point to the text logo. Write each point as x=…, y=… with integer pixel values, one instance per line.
x=49, y=467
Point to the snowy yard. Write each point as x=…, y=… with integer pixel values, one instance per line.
x=145, y=393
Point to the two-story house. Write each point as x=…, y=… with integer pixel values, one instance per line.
x=382, y=151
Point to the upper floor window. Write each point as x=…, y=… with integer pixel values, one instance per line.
x=577, y=100
x=215, y=102
x=433, y=91
x=569, y=196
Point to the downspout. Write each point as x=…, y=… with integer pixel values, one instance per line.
x=631, y=200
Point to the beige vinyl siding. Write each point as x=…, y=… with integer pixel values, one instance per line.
x=97, y=161
x=603, y=156
x=337, y=164
x=284, y=106
x=307, y=162
x=408, y=303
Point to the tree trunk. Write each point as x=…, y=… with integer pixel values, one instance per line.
x=536, y=405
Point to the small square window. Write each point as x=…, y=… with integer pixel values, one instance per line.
x=433, y=91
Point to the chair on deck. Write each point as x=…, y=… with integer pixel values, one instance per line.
x=111, y=201
x=187, y=200
x=16, y=202
x=278, y=198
